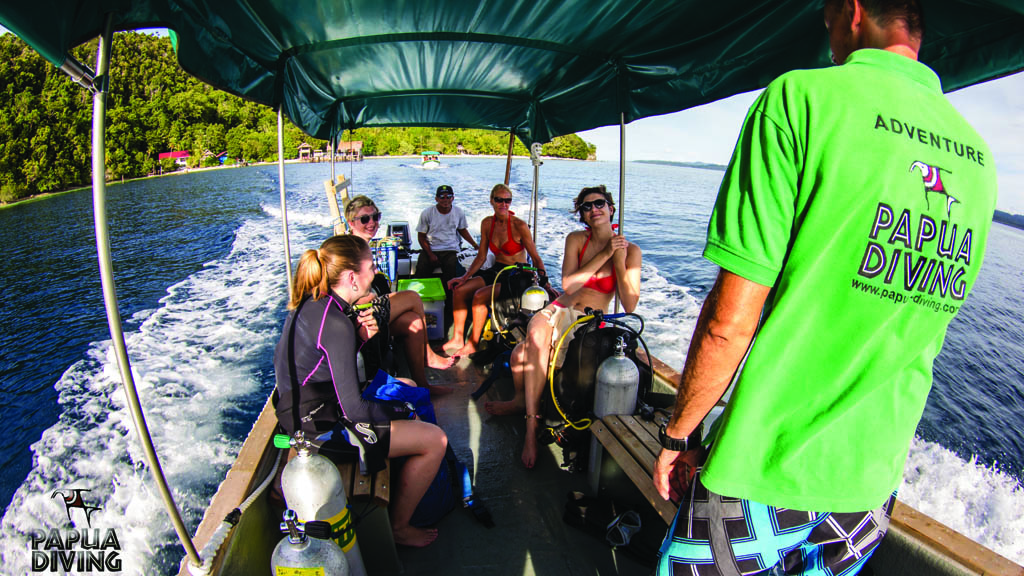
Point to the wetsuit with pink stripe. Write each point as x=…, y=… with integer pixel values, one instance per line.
x=325, y=362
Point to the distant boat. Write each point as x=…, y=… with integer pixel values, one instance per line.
x=431, y=159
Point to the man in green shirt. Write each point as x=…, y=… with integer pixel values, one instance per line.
x=849, y=228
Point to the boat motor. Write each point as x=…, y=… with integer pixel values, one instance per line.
x=307, y=549
x=313, y=488
x=616, y=388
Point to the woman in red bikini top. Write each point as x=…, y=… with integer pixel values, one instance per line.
x=473, y=289
x=597, y=264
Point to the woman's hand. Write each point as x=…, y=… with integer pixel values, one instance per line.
x=367, y=324
x=456, y=282
x=619, y=246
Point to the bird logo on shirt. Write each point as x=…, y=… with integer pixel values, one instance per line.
x=932, y=177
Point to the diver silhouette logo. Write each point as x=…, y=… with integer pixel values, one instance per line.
x=74, y=500
x=932, y=177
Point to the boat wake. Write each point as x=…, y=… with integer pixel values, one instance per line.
x=200, y=364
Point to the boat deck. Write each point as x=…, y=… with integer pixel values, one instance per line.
x=529, y=536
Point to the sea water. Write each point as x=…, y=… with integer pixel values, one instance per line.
x=199, y=264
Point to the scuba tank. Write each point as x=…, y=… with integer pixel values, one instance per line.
x=307, y=549
x=313, y=488
x=534, y=297
x=618, y=381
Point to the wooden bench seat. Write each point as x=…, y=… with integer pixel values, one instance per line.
x=633, y=443
x=358, y=487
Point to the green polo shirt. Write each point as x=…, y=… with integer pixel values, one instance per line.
x=864, y=198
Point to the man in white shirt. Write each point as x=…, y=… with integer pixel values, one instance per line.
x=438, y=231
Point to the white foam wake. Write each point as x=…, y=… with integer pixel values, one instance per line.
x=194, y=360
x=981, y=502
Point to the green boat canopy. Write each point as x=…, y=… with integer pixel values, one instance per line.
x=539, y=69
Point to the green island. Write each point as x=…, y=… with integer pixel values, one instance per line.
x=154, y=108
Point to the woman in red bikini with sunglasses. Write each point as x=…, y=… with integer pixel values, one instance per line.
x=598, y=264
x=509, y=239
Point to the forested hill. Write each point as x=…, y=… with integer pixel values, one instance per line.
x=154, y=107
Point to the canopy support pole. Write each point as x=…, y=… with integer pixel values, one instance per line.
x=99, y=193
x=284, y=206
x=508, y=158
x=622, y=184
x=535, y=150
x=334, y=147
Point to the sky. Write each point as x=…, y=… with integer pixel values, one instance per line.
x=708, y=133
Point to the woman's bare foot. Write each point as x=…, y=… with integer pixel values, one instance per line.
x=466, y=350
x=435, y=360
x=504, y=408
x=454, y=343
x=415, y=537
x=530, y=450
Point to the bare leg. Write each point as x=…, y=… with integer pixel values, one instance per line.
x=462, y=298
x=481, y=307
x=425, y=445
x=413, y=333
x=538, y=350
x=409, y=302
x=516, y=405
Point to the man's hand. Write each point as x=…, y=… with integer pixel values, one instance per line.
x=367, y=324
x=673, y=472
x=433, y=257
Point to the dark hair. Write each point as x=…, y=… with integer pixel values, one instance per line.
x=599, y=189
x=886, y=12
x=318, y=270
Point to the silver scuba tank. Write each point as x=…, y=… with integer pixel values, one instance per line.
x=534, y=298
x=307, y=549
x=618, y=380
x=313, y=488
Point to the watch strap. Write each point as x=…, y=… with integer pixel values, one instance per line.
x=680, y=444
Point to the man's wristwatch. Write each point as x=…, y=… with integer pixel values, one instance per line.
x=680, y=444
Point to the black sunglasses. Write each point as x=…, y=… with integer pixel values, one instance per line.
x=445, y=195
x=588, y=206
x=365, y=218
x=502, y=200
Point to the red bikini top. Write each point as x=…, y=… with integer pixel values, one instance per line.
x=604, y=285
x=510, y=247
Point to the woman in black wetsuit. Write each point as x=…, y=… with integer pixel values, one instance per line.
x=325, y=340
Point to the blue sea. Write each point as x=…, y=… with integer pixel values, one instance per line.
x=199, y=263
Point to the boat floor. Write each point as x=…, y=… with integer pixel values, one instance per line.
x=527, y=506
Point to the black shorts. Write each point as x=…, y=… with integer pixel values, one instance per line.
x=488, y=275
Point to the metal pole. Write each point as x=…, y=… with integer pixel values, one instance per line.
x=508, y=160
x=622, y=183
x=333, y=147
x=284, y=207
x=535, y=149
x=99, y=193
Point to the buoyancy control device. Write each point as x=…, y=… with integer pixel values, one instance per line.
x=313, y=488
x=307, y=549
x=571, y=392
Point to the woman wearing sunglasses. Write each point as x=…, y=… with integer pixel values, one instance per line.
x=509, y=239
x=597, y=265
x=407, y=320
